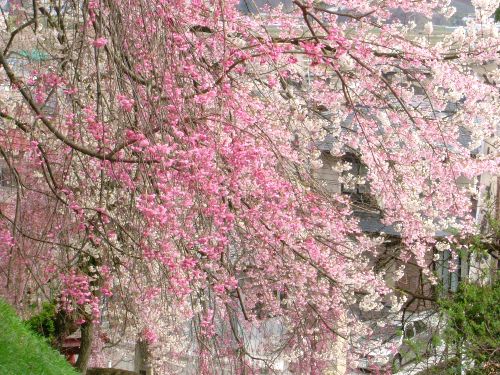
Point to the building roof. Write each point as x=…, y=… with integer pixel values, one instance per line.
x=371, y=223
x=349, y=125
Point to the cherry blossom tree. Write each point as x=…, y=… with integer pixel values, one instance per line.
x=162, y=159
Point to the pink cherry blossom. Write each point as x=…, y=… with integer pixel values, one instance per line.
x=205, y=178
x=100, y=42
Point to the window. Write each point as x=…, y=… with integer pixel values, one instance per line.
x=354, y=184
x=357, y=170
x=409, y=331
x=6, y=178
x=414, y=328
x=451, y=274
x=420, y=327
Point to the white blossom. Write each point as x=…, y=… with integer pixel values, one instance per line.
x=428, y=28
x=316, y=164
x=442, y=246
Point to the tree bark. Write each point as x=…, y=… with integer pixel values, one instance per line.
x=82, y=362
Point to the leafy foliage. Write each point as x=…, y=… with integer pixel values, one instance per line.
x=44, y=322
x=473, y=328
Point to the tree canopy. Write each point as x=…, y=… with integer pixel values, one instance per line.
x=160, y=163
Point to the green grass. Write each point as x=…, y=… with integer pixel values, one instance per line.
x=22, y=352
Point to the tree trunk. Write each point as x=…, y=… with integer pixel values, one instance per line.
x=82, y=362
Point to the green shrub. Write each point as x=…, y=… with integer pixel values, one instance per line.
x=44, y=322
x=473, y=316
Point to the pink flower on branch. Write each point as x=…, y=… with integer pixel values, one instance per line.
x=100, y=42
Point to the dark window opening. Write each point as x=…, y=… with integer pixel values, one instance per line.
x=6, y=177
x=451, y=275
x=359, y=193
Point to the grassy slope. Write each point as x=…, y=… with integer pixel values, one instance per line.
x=23, y=352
